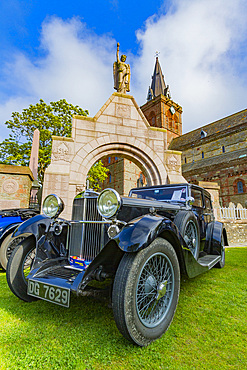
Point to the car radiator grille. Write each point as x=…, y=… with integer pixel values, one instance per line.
x=86, y=240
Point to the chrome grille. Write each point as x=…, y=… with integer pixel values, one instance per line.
x=86, y=240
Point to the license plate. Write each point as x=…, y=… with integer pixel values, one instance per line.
x=48, y=292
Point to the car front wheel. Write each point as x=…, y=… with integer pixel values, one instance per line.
x=18, y=267
x=145, y=292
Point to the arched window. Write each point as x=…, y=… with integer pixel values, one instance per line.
x=202, y=155
x=176, y=124
x=152, y=119
x=240, y=187
x=109, y=177
x=185, y=160
x=223, y=149
x=169, y=121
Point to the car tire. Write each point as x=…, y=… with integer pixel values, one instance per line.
x=145, y=292
x=221, y=263
x=187, y=224
x=7, y=248
x=18, y=268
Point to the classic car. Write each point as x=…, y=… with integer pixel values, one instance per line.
x=141, y=244
x=9, y=220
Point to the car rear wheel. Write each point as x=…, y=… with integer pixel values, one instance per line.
x=18, y=267
x=221, y=263
x=145, y=292
x=188, y=226
x=7, y=247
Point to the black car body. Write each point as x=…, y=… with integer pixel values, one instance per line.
x=141, y=243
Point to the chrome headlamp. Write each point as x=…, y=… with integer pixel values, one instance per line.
x=108, y=203
x=52, y=206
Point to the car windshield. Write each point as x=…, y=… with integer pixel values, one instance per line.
x=176, y=194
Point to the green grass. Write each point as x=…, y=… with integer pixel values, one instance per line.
x=209, y=330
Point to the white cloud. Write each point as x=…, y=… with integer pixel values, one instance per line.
x=202, y=54
x=76, y=66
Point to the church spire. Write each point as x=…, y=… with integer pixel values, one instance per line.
x=158, y=85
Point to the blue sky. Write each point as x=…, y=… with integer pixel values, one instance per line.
x=61, y=49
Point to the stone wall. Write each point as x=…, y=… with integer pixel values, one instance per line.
x=226, y=174
x=15, y=186
x=236, y=232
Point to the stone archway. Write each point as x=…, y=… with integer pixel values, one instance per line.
x=119, y=128
x=153, y=169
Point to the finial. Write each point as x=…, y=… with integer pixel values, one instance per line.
x=157, y=53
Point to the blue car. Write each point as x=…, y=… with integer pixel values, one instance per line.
x=9, y=220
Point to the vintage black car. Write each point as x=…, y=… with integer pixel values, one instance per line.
x=141, y=244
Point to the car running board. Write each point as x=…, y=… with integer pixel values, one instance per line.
x=209, y=260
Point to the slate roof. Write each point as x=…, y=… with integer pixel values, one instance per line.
x=220, y=161
x=222, y=127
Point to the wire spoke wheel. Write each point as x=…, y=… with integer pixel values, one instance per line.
x=12, y=245
x=27, y=263
x=155, y=289
x=190, y=235
x=145, y=292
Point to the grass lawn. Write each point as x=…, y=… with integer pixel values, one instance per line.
x=209, y=330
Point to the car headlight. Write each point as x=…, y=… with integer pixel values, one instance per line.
x=108, y=203
x=52, y=206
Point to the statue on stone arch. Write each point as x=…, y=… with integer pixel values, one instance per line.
x=121, y=73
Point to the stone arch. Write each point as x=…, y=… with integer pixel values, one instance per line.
x=136, y=151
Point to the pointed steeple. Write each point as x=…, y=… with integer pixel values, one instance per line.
x=158, y=85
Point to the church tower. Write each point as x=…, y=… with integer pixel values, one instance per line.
x=160, y=110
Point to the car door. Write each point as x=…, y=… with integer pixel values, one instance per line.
x=198, y=209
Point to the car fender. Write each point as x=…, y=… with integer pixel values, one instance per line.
x=37, y=226
x=218, y=232
x=140, y=232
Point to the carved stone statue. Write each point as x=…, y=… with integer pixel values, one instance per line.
x=121, y=73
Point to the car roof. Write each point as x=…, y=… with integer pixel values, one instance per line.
x=159, y=186
x=172, y=185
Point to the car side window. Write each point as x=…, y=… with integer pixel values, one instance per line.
x=197, y=195
x=208, y=204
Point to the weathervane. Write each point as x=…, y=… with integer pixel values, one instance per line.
x=157, y=53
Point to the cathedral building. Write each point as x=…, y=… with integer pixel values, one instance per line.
x=160, y=110
x=217, y=152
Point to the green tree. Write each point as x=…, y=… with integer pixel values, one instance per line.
x=96, y=175
x=51, y=119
